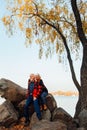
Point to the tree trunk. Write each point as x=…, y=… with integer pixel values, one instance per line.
x=78, y=107
x=84, y=79
x=82, y=102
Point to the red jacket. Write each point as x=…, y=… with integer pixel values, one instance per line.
x=37, y=90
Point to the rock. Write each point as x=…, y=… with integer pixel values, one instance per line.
x=81, y=128
x=33, y=120
x=46, y=115
x=11, y=91
x=62, y=115
x=51, y=102
x=20, y=108
x=83, y=118
x=72, y=125
x=12, y=110
x=8, y=114
x=47, y=125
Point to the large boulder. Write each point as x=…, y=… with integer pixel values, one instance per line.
x=51, y=102
x=12, y=109
x=46, y=115
x=59, y=114
x=8, y=115
x=20, y=108
x=47, y=125
x=11, y=91
x=81, y=128
x=83, y=118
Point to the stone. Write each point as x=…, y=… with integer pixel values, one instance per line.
x=12, y=110
x=48, y=125
x=51, y=105
x=46, y=115
x=8, y=114
x=11, y=91
x=20, y=108
x=51, y=102
x=83, y=118
x=81, y=128
x=59, y=114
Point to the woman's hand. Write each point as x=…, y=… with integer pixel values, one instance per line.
x=34, y=98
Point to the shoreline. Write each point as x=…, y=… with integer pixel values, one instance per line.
x=65, y=93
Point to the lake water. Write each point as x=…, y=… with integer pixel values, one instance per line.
x=1, y=100
x=68, y=103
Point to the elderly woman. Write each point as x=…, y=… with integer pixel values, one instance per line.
x=33, y=93
x=43, y=94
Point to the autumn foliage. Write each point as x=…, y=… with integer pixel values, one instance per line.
x=40, y=20
x=18, y=126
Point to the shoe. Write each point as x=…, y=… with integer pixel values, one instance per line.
x=44, y=107
x=27, y=123
x=41, y=107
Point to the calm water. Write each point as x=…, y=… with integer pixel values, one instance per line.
x=68, y=103
x=1, y=100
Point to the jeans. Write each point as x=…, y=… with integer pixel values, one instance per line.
x=43, y=97
x=36, y=107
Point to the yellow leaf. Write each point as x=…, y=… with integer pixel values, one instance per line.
x=27, y=1
x=22, y=8
x=19, y=1
x=29, y=8
x=54, y=34
x=28, y=32
x=57, y=47
x=38, y=41
x=20, y=14
x=21, y=25
x=6, y=20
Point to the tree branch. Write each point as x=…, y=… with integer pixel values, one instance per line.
x=80, y=31
x=70, y=61
x=67, y=50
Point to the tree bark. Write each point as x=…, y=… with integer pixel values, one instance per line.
x=82, y=102
x=70, y=61
x=80, y=31
x=84, y=79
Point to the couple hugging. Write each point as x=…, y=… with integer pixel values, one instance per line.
x=36, y=93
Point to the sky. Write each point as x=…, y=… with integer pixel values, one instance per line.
x=17, y=62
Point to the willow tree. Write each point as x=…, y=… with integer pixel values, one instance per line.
x=81, y=28
x=55, y=29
